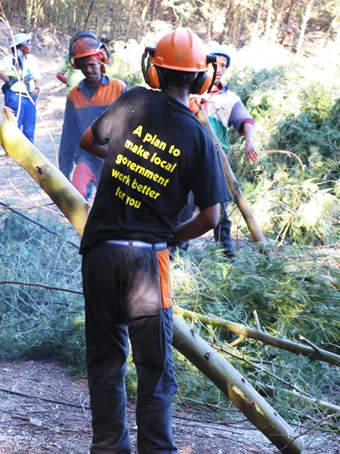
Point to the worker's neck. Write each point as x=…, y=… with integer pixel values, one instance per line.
x=179, y=93
x=91, y=83
x=217, y=87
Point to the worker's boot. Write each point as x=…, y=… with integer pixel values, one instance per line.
x=227, y=243
x=222, y=233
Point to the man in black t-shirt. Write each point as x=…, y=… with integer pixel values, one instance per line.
x=156, y=153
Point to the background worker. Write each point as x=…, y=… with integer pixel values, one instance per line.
x=87, y=101
x=157, y=153
x=66, y=72
x=224, y=110
x=68, y=75
x=22, y=85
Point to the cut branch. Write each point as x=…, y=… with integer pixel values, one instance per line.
x=8, y=207
x=246, y=332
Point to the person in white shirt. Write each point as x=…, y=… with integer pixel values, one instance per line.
x=22, y=83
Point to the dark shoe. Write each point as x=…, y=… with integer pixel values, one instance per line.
x=228, y=253
x=226, y=242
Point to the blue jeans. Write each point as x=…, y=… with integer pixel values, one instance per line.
x=25, y=111
x=122, y=302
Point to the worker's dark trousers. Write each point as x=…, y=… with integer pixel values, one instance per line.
x=222, y=232
x=122, y=300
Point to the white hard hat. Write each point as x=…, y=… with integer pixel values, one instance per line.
x=20, y=38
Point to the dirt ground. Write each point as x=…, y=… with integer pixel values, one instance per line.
x=44, y=409
x=50, y=413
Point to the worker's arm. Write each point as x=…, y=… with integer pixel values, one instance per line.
x=70, y=137
x=89, y=144
x=61, y=77
x=251, y=152
x=4, y=77
x=206, y=220
x=244, y=124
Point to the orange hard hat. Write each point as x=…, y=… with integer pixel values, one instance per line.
x=85, y=47
x=181, y=50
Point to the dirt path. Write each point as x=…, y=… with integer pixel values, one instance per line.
x=44, y=409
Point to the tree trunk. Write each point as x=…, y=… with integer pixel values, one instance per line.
x=279, y=9
x=303, y=27
x=52, y=181
x=142, y=23
x=233, y=384
x=258, y=20
x=209, y=21
x=211, y=363
x=268, y=21
x=88, y=15
x=130, y=22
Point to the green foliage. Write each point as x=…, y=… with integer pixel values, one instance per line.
x=294, y=187
x=295, y=294
x=126, y=63
x=290, y=294
x=35, y=322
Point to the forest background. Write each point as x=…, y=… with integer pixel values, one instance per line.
x=285, y=66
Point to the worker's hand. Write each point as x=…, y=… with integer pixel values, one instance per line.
x=251, y=152
x=35, y=92
x=194, y=103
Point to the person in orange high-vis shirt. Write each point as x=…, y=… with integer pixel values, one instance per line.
x=85, y=102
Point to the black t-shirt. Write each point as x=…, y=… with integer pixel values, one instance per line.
x=158, y=153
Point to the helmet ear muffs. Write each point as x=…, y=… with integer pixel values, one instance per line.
x=156, y=77
x=202, y=84
x=153, y=79
x=153, y=75
x=73, y=63
x=105, y=53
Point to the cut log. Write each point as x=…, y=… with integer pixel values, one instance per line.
x=51, y=180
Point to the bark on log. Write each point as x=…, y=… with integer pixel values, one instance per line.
x=51, y=180
x=211, y=363
x=233, y=384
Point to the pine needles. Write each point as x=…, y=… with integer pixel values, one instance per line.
x=295, y=294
